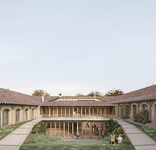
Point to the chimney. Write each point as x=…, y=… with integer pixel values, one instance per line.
x=42, y=98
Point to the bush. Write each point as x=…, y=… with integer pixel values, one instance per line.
x=114, y=126
x=40, y=128
x=142, y=117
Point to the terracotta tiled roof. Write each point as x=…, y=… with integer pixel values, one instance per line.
x=141, y=94
x=76, y=103
x=8, y=96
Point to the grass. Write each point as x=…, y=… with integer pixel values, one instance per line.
x=7, y=129
x=53, y=142
x=150, y=132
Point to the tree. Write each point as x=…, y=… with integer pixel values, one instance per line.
x=40, y=92
x=94, y=93
x=114, y=92
x=79, y=95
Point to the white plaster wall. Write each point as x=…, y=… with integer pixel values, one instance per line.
x=120, y=109
x=153, y=112
x=34, y=111
x=116, y=109
x=38, y=112
x=132, y=109
x=19, y=107
x=142, y=103
x=10, y=113
x=27, y=107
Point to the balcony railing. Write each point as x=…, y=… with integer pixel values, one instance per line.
x=105, y=116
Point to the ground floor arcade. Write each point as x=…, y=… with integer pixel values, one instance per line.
x=69, y=128
x=135, y=107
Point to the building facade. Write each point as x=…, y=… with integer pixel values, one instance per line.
x=67, y=115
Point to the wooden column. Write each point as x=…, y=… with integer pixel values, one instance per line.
x=63, y=129
x=57, y=112
x=72, y=129
x=65, y=112
x=97, y=112
x=77, y=112
x=89, y=112
x=46, y=112
x=81, y=112
x=61, y=111
x=149, y=106
x=82, y=129
x=91, y=129
x=69, y=112
x=73, y=112
x=55, y=127
x=85, y=112
x=68, y=129
x=49, y=112
x=99, y=130
x=77, y=126
x=93, y=111
x=101, y=112
x=105, y=111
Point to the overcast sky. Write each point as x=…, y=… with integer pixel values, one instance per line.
x=73, y=46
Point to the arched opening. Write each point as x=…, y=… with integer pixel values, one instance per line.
x=144, y=107
x=33, y=113
x=17, y=115
x=6, y=117
x=121, y=113
x=26, y=114
x=134, y=111
x=155, y=112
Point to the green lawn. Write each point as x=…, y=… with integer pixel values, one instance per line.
x=52, y=142
x=150, y=132
x=7, y=129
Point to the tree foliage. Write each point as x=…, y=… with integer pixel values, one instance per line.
x=40, y=92
x=94, y=93
x=114, y=92
x=79, y=95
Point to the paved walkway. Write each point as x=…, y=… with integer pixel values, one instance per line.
x=139, y=139
x=15, y=139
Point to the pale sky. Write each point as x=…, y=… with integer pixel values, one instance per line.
x=77, y=46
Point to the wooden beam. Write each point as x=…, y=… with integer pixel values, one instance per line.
x=149, y=105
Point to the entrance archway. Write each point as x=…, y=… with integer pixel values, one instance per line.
x=155, y=112
x=26, y=114
x=33, y=113
x=17, y=115
x=134, y=111
x=6, y=117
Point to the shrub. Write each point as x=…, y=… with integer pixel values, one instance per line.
x=114, y=126
x=142, y=117
x=40, y=128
